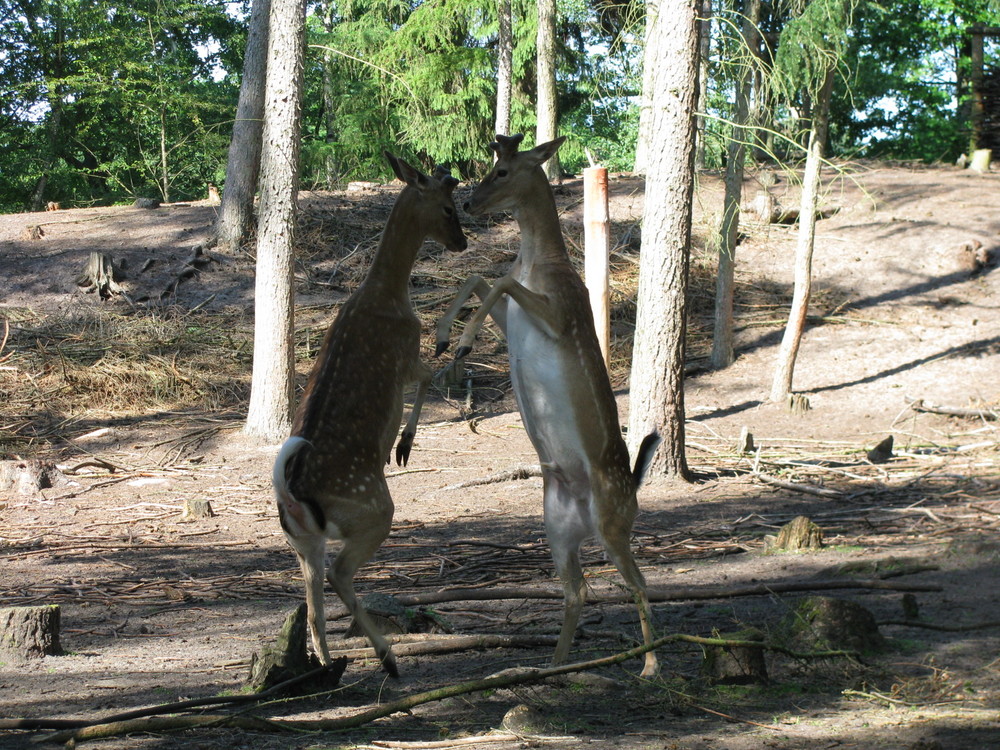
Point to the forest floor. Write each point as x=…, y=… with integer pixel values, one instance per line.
x=138, y=404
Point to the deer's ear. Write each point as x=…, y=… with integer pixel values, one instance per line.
x=544, y=151
x=404, y=171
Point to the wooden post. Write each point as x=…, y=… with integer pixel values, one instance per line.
x=596, y=246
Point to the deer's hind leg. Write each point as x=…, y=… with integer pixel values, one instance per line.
x=310, y=549
x=615, y=531
x=358, y=548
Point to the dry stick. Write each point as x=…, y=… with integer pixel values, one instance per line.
x=946, y=628
x=505, y=679
x=735, y=719
x=523, y=471
x=165, y=708
x=532, y=739
x=919, y=405
x=806, y=488
x=443, y=644
x=658, y=594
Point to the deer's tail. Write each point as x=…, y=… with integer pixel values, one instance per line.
x=644, y=457
x=295, y=516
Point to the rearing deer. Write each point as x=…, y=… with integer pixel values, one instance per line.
x=328, y=477
x=561, y=383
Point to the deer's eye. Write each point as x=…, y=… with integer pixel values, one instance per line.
x=448, y=211
x=502, y=173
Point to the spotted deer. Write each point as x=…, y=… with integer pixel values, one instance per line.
x=329, y=477
x=561, y=384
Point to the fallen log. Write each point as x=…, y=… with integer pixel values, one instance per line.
x=918, y=404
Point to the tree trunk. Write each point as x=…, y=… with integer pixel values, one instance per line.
x=722, y=340
x=547, y=115
x=164, y=174
x=271, y=394
x=242, y=169
x=704, y=55
x=782, y=384
x=657, y=380
x=505, y=67
x=642, y=144
x=330, y=169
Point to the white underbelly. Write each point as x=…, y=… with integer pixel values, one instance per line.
x=540, y=374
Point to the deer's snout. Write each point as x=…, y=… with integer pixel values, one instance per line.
x=465, y=206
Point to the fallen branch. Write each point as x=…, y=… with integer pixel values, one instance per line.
x=808, y=489
x=953, y=411
x=944, y=628
x=658, y=594
x=505, y=679
x=419, y=644
x=524, y=471
x=165, y=708
x=465, y=741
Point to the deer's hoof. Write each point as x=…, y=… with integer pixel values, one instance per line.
x=403, y=449
x=441, y=348
x=462, y=351
x=389, y=665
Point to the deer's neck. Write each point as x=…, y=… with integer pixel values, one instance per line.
x=396, y=253
x=538, y=220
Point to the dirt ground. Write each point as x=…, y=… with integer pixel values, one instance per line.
x=138, y=404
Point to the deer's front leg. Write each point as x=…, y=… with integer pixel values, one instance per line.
x=473, y=285
x=422, y=374
x=535, y=305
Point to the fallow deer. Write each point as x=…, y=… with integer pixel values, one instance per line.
x=561, y=384
x=329, y=477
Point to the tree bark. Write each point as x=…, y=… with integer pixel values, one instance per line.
x=722, y=339
x=704, y=55
x=642, y=145
x=30, y=632
x=330, y=167
x=547, y=114
x=271, y=395
x=505, y=67
x=657, y=380
x=781, y=387
x=243, y=166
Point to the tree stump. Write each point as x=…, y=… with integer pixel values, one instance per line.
x=799, y=533
x=745, y=444
x=763, y=208
x=100, y=275
x=27, y=478
x=524, y=719
x=798, y=404
x=980, y=161
x=288, y=658
x=196, y=508
x=34, y=232
x=826, y=622
x=736, y=665
x=30, y=632
x=881, y=452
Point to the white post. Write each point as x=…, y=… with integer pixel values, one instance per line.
x=596, y=246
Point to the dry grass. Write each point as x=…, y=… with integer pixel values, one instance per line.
x=108, y=361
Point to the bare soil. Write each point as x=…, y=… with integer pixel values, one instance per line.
x=139, y=403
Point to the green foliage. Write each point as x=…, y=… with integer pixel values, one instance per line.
x=95, y=85
x=907, y=93
x=90, y=87
x=812, y=44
